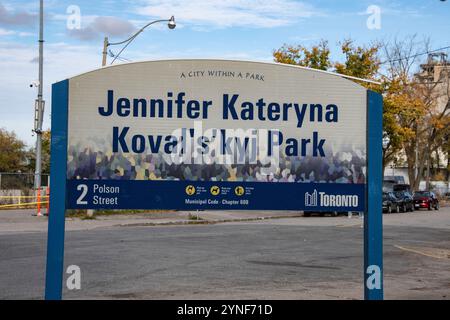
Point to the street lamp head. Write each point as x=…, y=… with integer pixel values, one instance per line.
x=172, y=23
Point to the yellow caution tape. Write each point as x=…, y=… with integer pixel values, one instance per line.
x=21, y=205
x=15, y=197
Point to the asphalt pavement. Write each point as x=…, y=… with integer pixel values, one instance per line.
x=284, y=258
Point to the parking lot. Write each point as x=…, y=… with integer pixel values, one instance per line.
x=285, y=258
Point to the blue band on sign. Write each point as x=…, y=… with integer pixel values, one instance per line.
x=191, y=195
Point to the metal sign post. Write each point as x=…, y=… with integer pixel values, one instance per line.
x=58, y=165
x=373, y=219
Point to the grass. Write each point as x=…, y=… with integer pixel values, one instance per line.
x=194, y=217
x=86, y=217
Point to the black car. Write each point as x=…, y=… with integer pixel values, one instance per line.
x=390, y=203
x=406, y=200
x=308, y=213
x=402, y=187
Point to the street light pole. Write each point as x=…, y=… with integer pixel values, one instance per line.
x=39, y=106
x=171, y=24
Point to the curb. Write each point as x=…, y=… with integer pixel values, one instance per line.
x=203, y=222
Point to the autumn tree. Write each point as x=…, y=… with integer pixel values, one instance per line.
x=416, y=110
x=46, y=143
x=419, y=103
x=45, y=155
x=433, y=89
x=360, y=61
x=400, y=105
x=12, y=152
x=316, y=57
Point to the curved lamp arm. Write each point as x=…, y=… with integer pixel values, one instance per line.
x=130, y=39
x=137, y=33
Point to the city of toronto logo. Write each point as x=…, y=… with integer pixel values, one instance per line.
x=311, y=199
x=322, y=199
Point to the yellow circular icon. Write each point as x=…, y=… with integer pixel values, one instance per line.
x=190, y=190
x=215, y=190
x=239, y=191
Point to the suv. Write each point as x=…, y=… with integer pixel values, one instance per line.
x=390, y=203
x=426, y=199
x=406, y=200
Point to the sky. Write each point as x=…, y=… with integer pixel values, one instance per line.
x=227, y=29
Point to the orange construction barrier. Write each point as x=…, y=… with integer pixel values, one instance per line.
x=48, y=201
x=39, y=214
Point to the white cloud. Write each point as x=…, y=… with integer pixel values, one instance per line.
x=4, y=32
x=103, y=26
x=26, y=34
x=19, y=18
x=17, y=62
x=230, y=13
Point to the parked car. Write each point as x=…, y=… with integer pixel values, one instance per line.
x=390, y=203
x=395, y=179
x=308, y=213
x=388, y=185
x=406, y=200
x=402, y=187
x=425, y=199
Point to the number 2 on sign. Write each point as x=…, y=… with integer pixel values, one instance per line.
x=84, y=189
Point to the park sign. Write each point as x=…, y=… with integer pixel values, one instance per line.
x=215, y=134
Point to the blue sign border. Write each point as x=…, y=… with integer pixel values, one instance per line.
x=58, y=170
x=373, y=226
x=373, y=220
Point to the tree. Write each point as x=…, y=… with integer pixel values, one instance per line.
x=46, y=137
x=416, y=110
x=360, y=61
x=402, y=109
x=434, y=89
x=416, y=102
x=446, y=146
x=318, y=57
x=400, y=106
x=12, y=152
x=45, y=155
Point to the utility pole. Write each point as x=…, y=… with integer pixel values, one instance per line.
x=39, y=106
x=105, y=51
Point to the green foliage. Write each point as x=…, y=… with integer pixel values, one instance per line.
x=318, y=57
x=45, y=155
x=403, y=107
x=46, y=136
x=13, y=154
x=361, y=62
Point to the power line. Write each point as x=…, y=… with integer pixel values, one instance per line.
x=113, y=55
x=415, y=55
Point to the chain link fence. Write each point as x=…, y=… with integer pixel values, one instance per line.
x=20, y=181
x=18, y=188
